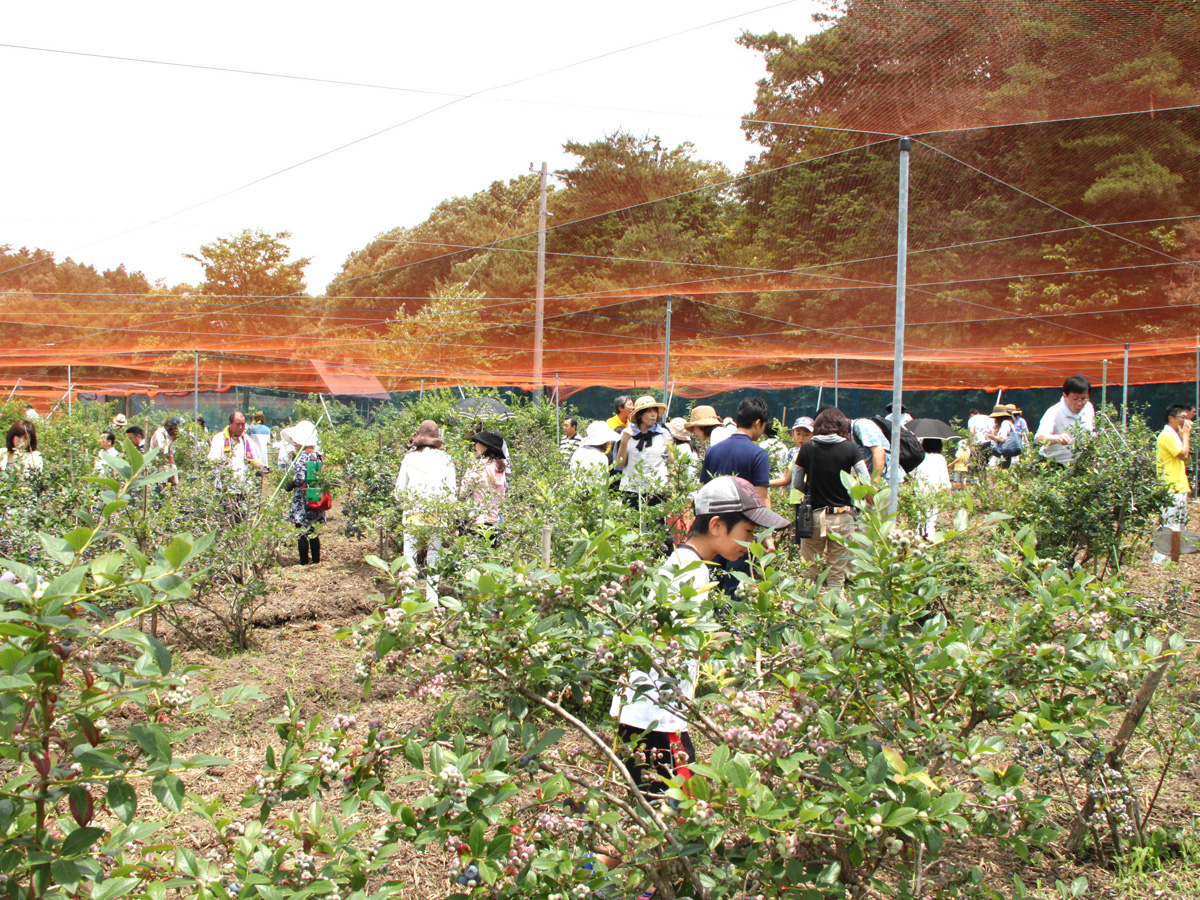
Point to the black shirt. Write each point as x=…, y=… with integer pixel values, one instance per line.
x=824, y=464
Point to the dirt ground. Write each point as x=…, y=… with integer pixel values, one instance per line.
x=295, y=650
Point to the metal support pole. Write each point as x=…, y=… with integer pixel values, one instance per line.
x=1125, y=391
x=17, y=384
x=820, y=391
x=898, y=362
x=667, y=353
x=1196, y=448
x=1104, y=383
x=196, y=385
x=70, y=390
x=835, y=385
x=557, y=409
x=539, y=309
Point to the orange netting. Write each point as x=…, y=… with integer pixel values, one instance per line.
x=1052, y=220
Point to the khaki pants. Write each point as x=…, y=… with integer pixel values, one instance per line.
x=835, y=554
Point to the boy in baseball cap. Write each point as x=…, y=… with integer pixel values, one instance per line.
x=728, y=512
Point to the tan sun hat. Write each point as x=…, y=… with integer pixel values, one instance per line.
x=678, y=429
x=1001, y=412
x=647, y=402
x=702, y=415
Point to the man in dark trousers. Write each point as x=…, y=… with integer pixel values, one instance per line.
x=739, y=455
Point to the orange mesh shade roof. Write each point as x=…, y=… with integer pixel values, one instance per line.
x=1053, y=219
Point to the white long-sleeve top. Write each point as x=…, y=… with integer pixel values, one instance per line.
x=427, y=481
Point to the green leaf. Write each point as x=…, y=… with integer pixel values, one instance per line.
x=15, y=682
x=78, y=539
x=80, y=840
x=58, y=549
x=122, y=800
x=65, y=585
x=65, y=874
x=153, y=741
x=177, y=552
x=896, y=761
x=901, y=816
x=111, y=888
x=168, y=790
x=828, y=876
x=98, y=759
x=475, y=838
x=414, y=754
x=185, y=861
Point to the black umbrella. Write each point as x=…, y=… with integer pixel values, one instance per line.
x=931, y=428
x=481, y=408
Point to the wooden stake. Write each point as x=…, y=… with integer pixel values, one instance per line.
x=1113, y=757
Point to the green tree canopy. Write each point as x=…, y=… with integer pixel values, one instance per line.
x=251, y=264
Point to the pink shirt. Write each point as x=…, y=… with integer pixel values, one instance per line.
x=485, y=485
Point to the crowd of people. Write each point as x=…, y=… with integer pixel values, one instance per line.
x=645, y=457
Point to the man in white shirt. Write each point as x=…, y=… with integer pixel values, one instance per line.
x=570, y=437
x=232, y=448
x=1073, y=411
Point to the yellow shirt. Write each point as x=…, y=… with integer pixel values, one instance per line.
x=962, y=457
x=1170, y=466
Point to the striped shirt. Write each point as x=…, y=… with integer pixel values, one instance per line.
x=568, y=445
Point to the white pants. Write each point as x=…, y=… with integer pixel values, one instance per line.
x=433, y=552
x=1174, y=516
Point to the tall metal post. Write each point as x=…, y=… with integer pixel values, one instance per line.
x=70, y=390
x=667, y=354
x=1104, y=383
x=1125, y=391
x=898, y=362
x=835, y=384
x=557, y=408
x=196, y=385
x=1196, y=448
x=539, y=310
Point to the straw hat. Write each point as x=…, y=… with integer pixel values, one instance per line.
x=302, y=434
x=702, y=416
x=647, y=402
x=1013, y=408
x=678, y=429
x=598, y=434
x=1001, y=412
x=119, y=421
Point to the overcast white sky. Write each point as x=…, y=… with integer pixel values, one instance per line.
x=110, y=161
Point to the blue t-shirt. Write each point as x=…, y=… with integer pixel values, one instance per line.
x=258, y=429
x=740, y=456
x=869, y=435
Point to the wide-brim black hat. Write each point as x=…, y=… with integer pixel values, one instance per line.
x=489, y=439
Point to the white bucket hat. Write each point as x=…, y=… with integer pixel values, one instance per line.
x=598, y=434
x=302, y=434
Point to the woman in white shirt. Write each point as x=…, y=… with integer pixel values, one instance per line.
x=932, y=477
x=643, y=453
x=425, y=487
x=21, y=452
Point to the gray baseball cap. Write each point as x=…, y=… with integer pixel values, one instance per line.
x=729, y=494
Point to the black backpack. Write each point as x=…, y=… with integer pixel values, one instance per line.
x=912, y=454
